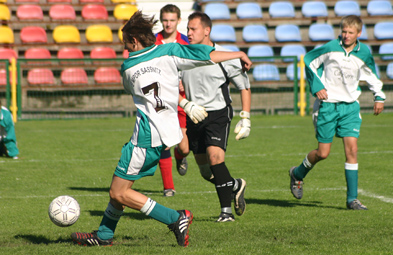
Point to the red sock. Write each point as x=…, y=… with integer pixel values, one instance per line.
x=166, y=172
x=177, y=154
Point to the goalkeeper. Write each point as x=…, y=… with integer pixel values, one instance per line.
x=207, y=88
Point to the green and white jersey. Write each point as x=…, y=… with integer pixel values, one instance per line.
x=7, y=132
x=151, y=77
x=203, y=85
x=339, y=72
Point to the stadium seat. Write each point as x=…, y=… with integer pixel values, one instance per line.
x=266, y=72
x=99, y=33
x=383, y=30
x=386, y=48
x=70, y=53
x=5, y=13
x=71, y=76
x=255, y=33
x=379, y=7
x=40, y=76
x=231, y=47
x=94, y=12
x=3, y=77
x=30, y=12
x=27, y=1
x=92, y=1
x=288, y=33
x=364, y=34
x=102, y=52
x=59, y=1
x=37, y=53
x=377, y=71
x=290, y=72
x=125, y=53
x=344, y=8
x=248, y=11
x=6, y=35
x=223, y=33
x=107, y=75
x=260, y=51
x=33, y=34
x=389, y=70
x=62, y=12
x=124, y=11
x=6, y=53
x=120, y=33
x=281, y=9
x=321, y=32
x=292, y=50
x=314, y=9
x=217, y=11
x=124, y=1
x=66, y=34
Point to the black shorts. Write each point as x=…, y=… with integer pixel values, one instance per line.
x=214, y=130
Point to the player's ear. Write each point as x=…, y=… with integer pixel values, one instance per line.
x=207, y=31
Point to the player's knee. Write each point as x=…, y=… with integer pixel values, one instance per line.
x=206, y=172
x=322, y=155
x=115, y=195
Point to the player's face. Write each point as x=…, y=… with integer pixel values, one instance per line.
x=196, y=32
x=169, y=22
x=349, y=35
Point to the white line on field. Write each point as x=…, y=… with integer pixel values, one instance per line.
x=372, y=195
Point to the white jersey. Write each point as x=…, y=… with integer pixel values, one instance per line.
x=151, y=77
x=203, y=85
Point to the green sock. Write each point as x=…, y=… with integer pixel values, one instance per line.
x=302, y=170
x=109, y=222
x=351, y=175
x=159, y=212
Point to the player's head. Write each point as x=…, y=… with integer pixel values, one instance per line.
x=139, y=29
x=351, y=29
x=198, y=28
x=170, y=18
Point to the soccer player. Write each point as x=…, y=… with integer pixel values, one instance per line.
x=208, y=87
x=8, y=145
x=150, y=75
x=333, y=72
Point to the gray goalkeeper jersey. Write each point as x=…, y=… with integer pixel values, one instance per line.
x=203, y=85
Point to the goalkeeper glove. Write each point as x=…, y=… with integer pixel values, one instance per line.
x=195, y=112
x=243, y=127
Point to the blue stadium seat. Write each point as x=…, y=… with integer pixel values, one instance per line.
x=364, y=34
x=314, y=9
x=217, y=11
x=288, y=33
x=281, y=10
x=344, y=8
x=266, y=72
x=223, y=33
x=261, y=51
x=389, y=70
x=231, y=47
x=377, y=70
x=383, y=30
x=321, y=32
x=386, y=48
x=248, y=11
x=290, y=72
x=255, y=33
x=379, y=7
x=292, y=50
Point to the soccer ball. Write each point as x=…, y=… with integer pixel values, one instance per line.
x=64, y=211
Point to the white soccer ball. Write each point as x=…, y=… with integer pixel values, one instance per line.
x=64, y=211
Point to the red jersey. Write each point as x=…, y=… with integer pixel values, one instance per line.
x=180, y=38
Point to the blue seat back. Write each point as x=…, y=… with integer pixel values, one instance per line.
x=386, y=48
x=321, y=32
x=248, y=11
x=344, y=8
x=288, y=33
x=217, y=11
x=260, y=51
x=266, y=72
x=314, y=9
x=379, y=7
x=223, y=33
x=281, y=10
x=292, y=50
x=383, y=30
x=255, y=33
x=389, y=70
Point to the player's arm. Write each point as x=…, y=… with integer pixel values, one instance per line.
x=243, y=127
x=195, y=112
x=221, y=56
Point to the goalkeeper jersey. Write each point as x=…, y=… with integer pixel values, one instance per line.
x=339, y=72
x=151, y=77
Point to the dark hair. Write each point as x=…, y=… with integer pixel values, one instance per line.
x=140, y=27
x=170, y=8
x=205, y=19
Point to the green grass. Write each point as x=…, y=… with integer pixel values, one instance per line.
x=78, y=157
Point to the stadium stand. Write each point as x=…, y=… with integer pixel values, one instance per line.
x=6, y=53
x=29, y=12
x=383, y=30
x=217, y=11
x=379, y=7
x=231, y=47
x=125, y=54
x=288, y=33
x=5, y=13
x=321, y=32
x=248, y=11
x=260, y=51
x=344, y=8
x=290, y=72
x=364, y=34
x=94, y=12
x=255, y=33
x=103, y=52
x=33, y=34
x=389, y=70
x=70, y=53
x=3, y=77
x=66, y=34
x=62, y=12
x=92, y=1
x=292, y=50
x=314, y=9
x=386, y=48
x=266, y=72
x=124, y=11
x=223, y=33
x=123, y=1
x=37, y=53
x=99, y=33
x=281, y=10
x=107, y=75
x=40, y=76
x=6, y=35
x=73, y=76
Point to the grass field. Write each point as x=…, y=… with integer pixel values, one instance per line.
x=78, y=157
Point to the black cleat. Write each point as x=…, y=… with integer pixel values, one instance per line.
x=181, y=227
x=240, y=202
x=90, y=239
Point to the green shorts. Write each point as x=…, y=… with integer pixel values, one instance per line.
x=340, y=119
x=136, y=162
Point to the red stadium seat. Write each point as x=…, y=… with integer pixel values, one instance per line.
x=37, y=76
x=29, y=11
x=125, y=53
x=103, y=52
x=94, y=12
x=62, y=12
x=33, y=34
x=27, y=1
x=8, y=54
x=107, y=75
x=71, y=76
x=70, y=53
x=60, y=1
x=3, y=77
x=37, y=53
x=92, y=1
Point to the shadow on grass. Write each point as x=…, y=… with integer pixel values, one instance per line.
x=291, y=203
x=129, y=215
x=40, y=239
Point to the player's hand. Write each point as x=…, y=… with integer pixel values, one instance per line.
x=322, y=94
x=243, y=127
x=195, y=112
x=378, y=108
x=246, y=63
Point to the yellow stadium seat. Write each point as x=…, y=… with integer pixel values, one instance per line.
x=6, y=35
x=66, y=34
x=120, y=34
x=5, y=13
x=124, y=11
x=124, y=1
x=99, y=33
x=3, y=1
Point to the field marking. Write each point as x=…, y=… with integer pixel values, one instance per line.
x=372, y=195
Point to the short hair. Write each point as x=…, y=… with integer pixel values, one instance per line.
x=205, y=19
x=170, y=8
x=351, y=20
x=140, y=26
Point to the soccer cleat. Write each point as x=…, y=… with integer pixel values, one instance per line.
x=296, y=186
x=225, y=217
x=169, y=192
x=181, y=227
x=90, y=239
x=240, y=202
x=182, y=166
x=356, y=205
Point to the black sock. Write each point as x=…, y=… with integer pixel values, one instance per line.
x=224, y=184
